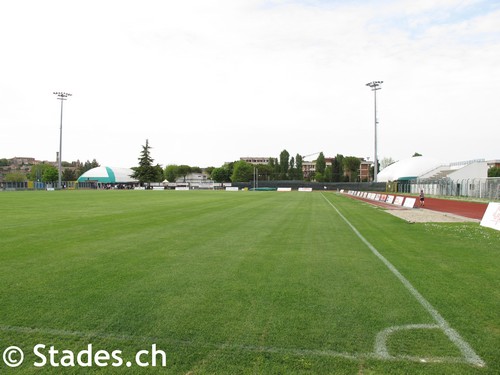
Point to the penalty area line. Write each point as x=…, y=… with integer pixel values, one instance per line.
x=467, y=351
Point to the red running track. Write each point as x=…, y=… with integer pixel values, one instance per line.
x=473, y=210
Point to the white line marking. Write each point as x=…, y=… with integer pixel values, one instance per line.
x=381, y=340
x=380, y=352
x=233, y=347
x=466, y=350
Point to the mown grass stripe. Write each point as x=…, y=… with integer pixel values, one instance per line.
x=466, y=350
x=230, y=347
x=243, y=283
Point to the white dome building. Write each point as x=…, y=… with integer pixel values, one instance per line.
x=408, y=169
x=108, y=175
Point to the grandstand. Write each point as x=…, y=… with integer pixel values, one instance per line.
x=466, y=178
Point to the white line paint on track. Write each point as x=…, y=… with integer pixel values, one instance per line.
x=466, y=350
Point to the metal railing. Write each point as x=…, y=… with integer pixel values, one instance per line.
x=484, y=188
x=35, y=185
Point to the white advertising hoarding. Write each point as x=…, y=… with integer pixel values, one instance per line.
x=491, y=217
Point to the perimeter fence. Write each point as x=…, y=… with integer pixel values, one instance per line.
x=484, y=188
x=35, y=185
x=295, y=185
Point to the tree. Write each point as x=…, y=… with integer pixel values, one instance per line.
x=15, y=177
x=242, y=171
x=275, y=168
x=183, y=171
x=68, y=174
x=385, y=162
x=82, y=168
x=372, y=170
x=284, y=164
x=158, y=173
x=328, y=175
x=298, y=166
x=338, y=168
x=221, y=174
x=416, y=154
x=170, y=172
x=38, y=170
x=146, y=172
x=319, y=176
x=320, y=163
x=4, y=162
x=351, y=165
x=230, y=168
x=208, y=170
x=265, y=171
x=50, y=174
x=292, y=171
x=494, y=172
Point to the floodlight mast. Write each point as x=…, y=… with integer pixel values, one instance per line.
x=62, y=96
x=375, y=85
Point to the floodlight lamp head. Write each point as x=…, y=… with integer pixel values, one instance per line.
x=61, y=94
x=375, y=85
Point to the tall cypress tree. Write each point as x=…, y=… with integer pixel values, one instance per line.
x=298, y=164
x=337, y=168
x=284, y=164
x=292, y=171
x=320, y=163
x=274, y=169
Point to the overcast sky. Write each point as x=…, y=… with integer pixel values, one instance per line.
x=210, y=81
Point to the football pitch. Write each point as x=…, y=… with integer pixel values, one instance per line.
x=206, y=282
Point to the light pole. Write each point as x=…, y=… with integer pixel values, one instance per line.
x=255, y=178
x=375, y=85
x=62, y=96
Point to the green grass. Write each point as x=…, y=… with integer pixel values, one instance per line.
x=247, y=282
